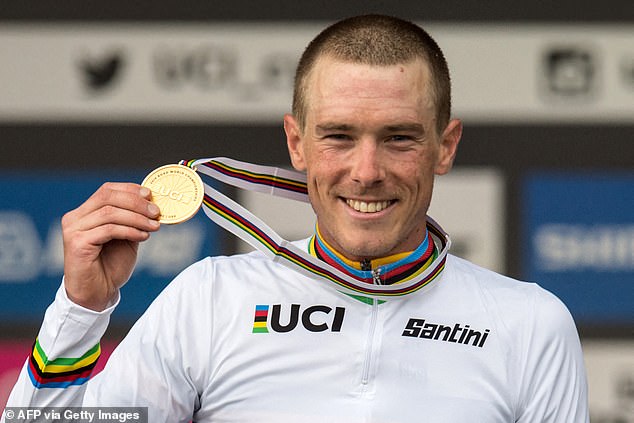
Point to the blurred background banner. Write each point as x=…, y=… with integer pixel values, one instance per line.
x=580, y=242
x=242, y=72
x=541, y=188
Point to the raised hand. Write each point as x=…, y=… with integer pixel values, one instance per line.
x=101, y=240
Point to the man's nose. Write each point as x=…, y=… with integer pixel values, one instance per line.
x=367, y=163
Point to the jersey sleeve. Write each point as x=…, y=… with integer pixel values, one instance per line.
x=63, y=355
x=553, y=388
x=158, y=365
x=162, y=363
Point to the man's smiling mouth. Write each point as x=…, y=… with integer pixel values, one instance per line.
x=368, y=206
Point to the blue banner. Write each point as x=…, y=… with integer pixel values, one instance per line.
x=31, y=254
x=579, y=242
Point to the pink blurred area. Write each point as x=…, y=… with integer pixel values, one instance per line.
x=13, y=354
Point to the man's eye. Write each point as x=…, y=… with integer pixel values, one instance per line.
x=400, y=138
x=338, y=136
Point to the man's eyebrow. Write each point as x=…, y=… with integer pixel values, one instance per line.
x=399, y=127
x=328, y=127
x=406, y=127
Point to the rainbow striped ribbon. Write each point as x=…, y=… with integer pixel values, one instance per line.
x=290, y=184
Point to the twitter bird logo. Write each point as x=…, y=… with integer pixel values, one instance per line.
x=100, y=73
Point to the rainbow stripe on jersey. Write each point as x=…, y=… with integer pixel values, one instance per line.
x=61, y=372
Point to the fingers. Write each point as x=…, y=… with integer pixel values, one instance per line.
x=113, y=198
x=115, y=211
x=125, y=196
x=111, y=215
x=82, y=243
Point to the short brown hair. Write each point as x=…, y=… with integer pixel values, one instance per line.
x=375, y=40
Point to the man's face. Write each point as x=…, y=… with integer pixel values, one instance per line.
x=370, y=148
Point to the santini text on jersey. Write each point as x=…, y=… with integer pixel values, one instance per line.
x=458, y=333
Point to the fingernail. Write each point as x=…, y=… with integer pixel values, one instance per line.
x=144, y=192
x=153, y=209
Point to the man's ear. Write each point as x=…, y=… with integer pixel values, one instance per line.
x=448, y=146
x=294, y=142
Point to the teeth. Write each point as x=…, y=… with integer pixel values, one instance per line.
x=368, y=207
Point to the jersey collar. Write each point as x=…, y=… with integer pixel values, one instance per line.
x=395, y=268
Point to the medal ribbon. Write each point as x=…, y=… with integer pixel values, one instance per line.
x=290, y=184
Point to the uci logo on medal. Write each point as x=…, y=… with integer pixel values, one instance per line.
x=173, y=194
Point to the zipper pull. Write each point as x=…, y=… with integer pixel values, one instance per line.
x=366, y=264
x=376, y=278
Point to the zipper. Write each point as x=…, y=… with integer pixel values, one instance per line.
x=365, y=377
x=366, y=265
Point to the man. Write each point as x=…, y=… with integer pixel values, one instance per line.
x=417, y=335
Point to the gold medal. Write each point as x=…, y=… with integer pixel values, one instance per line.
x=177, y=190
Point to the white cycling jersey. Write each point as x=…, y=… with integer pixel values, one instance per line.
x=237, y=339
